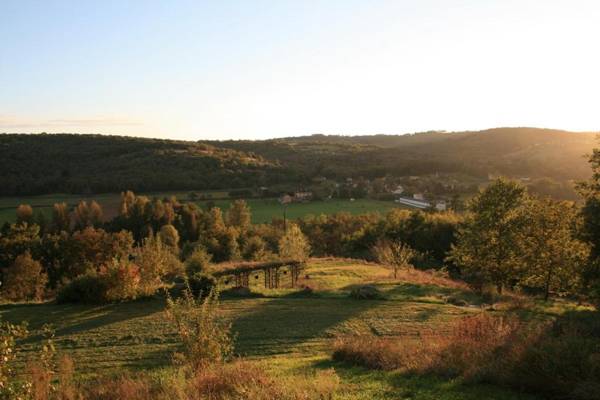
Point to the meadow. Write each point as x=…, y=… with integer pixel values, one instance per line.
x=263, y=209
x=287, y=330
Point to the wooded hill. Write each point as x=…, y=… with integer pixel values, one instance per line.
x=70, y=163
x=515, y=152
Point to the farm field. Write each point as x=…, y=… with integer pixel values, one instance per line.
x=291, y=333
x=263, y=210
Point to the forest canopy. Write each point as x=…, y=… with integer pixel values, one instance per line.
x=68, y=163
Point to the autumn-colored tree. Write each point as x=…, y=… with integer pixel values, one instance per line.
x=170, y=237
x=255, y=249
x=198, y=261
x=88, y=215
x=555, y=256
x=491, y=244
x=294, y=245
x=188, y=225
x=156, y=261
x=92, y=248
x=24, y=214
x=590, y=228
x=18, y=239
x=25, y=279
x=394, y=254
x=61, y=221
x=239, y=215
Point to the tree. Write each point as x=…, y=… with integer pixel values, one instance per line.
x=491, y=242
x=254, y=248
x=555, y=255
x=197, y=262
x=170, y=237
x=18, y=239
x=87, y=215
x=590, y=229
x=61, y=221
x=294, y=245
x=239, y=215
x=25, y=279
x=395, y=254
x=24, y=214
x=156, y=261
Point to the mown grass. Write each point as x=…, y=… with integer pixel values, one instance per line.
x=288, y=332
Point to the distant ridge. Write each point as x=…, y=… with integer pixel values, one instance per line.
x=72, y=163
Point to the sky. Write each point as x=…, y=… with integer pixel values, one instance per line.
x=261, y=69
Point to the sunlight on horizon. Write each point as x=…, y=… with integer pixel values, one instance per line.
x=242, y=70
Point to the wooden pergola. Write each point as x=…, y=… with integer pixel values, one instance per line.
x=272, y=270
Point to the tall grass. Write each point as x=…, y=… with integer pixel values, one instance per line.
x=559, y=359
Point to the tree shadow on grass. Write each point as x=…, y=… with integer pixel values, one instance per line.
x=68, y=319
x=281, y=325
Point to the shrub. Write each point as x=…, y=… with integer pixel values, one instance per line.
x=86, y=288
x=371, y=352
x=205, y=336
x=117, y=281
x=365, y=292
x=197, y=262
x=255, y=249
x=558, y=360
x=202, y=284
x=456, y=301
x=395, y=254
x=9, y=333
x=25, y=279
x=122, y=280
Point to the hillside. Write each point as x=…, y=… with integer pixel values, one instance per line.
x=516, y=152
x=67, y=163
x=287, y=330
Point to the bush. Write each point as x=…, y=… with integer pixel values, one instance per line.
x=197, y=262
x=559, y=360
x=156, y=262
x=87, y=288
x=371, y=352
x=115, y=282
x=205, y=336
x=365, y=292
x=25, y=279
x=202, y=284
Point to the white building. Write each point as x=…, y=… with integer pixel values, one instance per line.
x=413, y=203
x=399, y=190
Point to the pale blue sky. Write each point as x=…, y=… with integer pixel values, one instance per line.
x=260, y=69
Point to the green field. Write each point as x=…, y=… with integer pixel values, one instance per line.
x=288, y=332
x=263, y=210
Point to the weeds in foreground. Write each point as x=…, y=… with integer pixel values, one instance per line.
x=559, y=360
x=205, y=335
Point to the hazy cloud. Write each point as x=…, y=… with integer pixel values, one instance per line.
x=18, y=123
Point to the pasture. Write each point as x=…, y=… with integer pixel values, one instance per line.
x=289, y=331
x=263, y=209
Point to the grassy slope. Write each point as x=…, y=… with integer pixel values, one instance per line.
x=288, y=332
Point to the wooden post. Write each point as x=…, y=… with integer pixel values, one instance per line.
x=266, y=277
